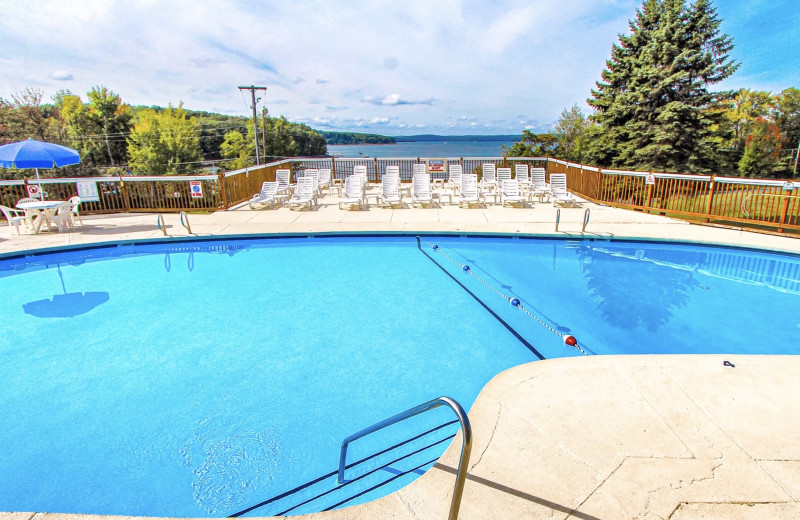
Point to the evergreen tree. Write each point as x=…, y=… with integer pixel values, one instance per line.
x=653, y=101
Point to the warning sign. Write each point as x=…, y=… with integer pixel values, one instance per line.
x=196, y=189
x=649, y=179
x=436, y=165
x=33, y=191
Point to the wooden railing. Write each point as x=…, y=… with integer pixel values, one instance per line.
x=759, y=203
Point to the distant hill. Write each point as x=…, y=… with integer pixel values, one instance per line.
x=355, y=138
x=452, y=138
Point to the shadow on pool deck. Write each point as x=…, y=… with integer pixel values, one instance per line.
x=603, y=437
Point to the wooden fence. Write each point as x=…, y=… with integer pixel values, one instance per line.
x=758, y=203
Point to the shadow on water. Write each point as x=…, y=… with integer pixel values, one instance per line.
x=65, y=305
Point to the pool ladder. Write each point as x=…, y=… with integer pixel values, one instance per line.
x=466, y=443
x=341, y=482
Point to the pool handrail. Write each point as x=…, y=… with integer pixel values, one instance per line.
x=466, y=443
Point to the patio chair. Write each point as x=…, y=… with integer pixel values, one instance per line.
x=62, y=216
x=303, y=194
x=361, y=170
x=454, y=173
x=558, y=189
x=421, y=190
x=353, y=193
x=268, y=195
x=503, y=174
x=313, y=173
x=522, y=175
x=15, y=217
x=390, y=191
x=539, y=186
x=510, y=194
x=282, y=178
x=470, y=193
x=325, y=179
x=74, y=203
x=489, y=179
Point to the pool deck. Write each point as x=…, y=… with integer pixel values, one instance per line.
x=605, y=437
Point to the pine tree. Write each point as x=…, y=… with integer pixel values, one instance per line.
x=653, y=101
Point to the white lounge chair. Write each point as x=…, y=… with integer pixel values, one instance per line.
x=503, y=174
x=523, y=176
x=282, y=177
x=390, y=191
x=470, y=193
x=421, y=190
x=510, y=194
x=558, y=189
x=353, y=193
x=489, y=179
x=454, y=173
x=325, y=179
x=268, y=196
x=539, y=186
x=303, y=194
x=15, y=217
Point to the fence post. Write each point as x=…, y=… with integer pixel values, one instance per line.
x=223, y=189
x=377, y=176
x=784, y=212
x=649, y=192
x=710, y=198
x=123, y=190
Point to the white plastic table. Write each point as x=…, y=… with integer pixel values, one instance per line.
x=41, y=212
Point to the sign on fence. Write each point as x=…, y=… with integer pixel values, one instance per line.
x=33, y=190
x=87, y=191
x=196, y=189
x=649, y=179
x=436, y=165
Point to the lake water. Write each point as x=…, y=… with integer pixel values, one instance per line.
x=421, y=149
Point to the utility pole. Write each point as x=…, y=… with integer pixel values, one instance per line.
x=252, y=90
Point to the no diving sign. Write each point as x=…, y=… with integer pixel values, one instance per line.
x=196, y=189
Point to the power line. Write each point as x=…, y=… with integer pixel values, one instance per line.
x=252, y=90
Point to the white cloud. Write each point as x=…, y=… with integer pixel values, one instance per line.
x=454, y=65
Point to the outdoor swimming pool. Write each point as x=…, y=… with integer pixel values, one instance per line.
x=202, y=378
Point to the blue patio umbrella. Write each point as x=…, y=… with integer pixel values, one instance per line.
x=37, y=154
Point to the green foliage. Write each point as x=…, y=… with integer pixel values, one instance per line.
x=534, y=145
x=356, y=138
x=761, y=153
x=787, y=117
x=653, y=103
x=164, y=143
x=238, y=148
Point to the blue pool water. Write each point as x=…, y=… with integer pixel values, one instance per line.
x=202, y=378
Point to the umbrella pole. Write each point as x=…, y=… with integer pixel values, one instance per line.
x=39, y=183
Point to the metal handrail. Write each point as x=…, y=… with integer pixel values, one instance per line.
x=185, y=222
x=466, y=443
x=161, y=224
x=585, y=220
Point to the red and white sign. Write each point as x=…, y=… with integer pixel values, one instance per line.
x=33, y=191
x=196, y=189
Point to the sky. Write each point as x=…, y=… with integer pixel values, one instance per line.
x=399, y=67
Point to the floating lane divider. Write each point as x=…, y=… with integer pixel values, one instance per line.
x=569, y=340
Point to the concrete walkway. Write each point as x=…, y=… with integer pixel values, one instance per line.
x=606, y=437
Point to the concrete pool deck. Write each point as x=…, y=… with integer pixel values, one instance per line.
x=605, y=437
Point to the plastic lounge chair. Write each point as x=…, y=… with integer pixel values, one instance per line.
x=314, y=174
x=353, y=193
x=510, y=194
x=303, y=194
x=74, y=203
x=325, y=179
x=489, y=179
x=421, y=190
x=539, y=186
x=390, y=191
x=15, y=217
x=268, y=195
x=522, y=175
x=503, y=174
x=282, y=178
x=558, y=189
x=454, y=173
x=469, y=192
